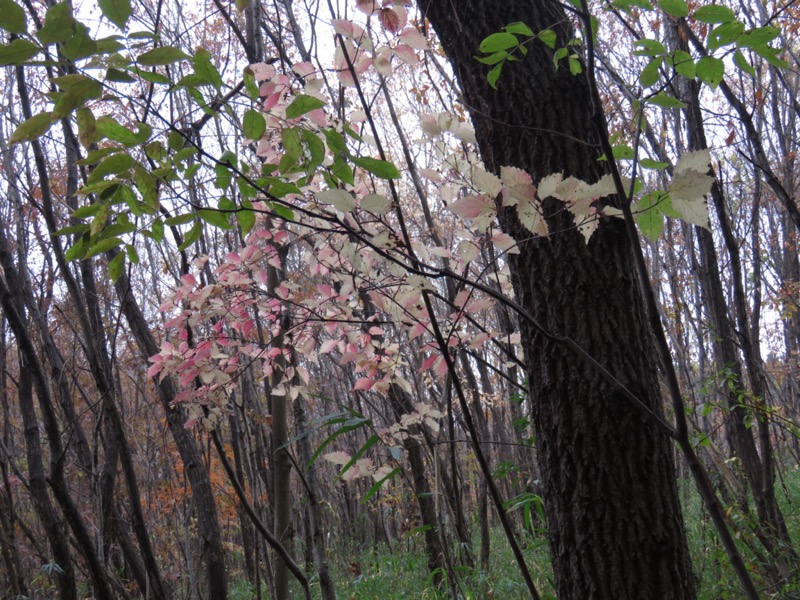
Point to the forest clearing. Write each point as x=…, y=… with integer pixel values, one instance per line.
x=391, y=299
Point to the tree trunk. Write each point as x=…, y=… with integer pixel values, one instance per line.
x=616, y=529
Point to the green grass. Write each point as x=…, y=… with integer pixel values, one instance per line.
x=400, y=571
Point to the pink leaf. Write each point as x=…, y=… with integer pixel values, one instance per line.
x=472, y=207
x=406, y=54
x=363, y=384
x=414, y=38
x=393, y=19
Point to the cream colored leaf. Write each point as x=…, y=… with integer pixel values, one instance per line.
x=376, y=204
x=340, y=199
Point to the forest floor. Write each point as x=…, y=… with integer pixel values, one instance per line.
x=400, y=572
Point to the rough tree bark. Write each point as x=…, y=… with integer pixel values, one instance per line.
x=616, y=529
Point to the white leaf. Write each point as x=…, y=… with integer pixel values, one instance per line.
x=698, y=160
x=687, y=191
x=485, y=182
x=532, y=219
x=341, y=200
x=548, y=185
x=376, y=204
x=337, y=458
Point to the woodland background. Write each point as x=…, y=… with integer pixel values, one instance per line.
x=258, y=331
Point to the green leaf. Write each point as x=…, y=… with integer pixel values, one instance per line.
x=379, y=484
x=205, y=68
x=75, y=96
x=215, y=218
x=59, y=24
x=675, y=8
x=373, y=439
x=133, y=255
x=146, y=184
x=380, y=168
x=77, y=250
x=107, y=127
x=164, y=55
x=741, y=62
x=157, y=230
x=109, y=44
x=714, y=13
x=116, y=11
x=771, y=56
x=724, y=35
x=32, y=128
x=519, y=28
x=684, y=64
x=649, y=163
x=184, y=153
x=649, y=216
x=665, y=101
x=250, y=85
x=192, y=170
x=623, y=152
x=102, y=246
x=493, y=75
x=72, y=229
x=86, y=127
x=335, y=141
x=282, y=211
x=278, y=187
x=246, y=217
x=17, y=52
x=710, y=70
x=80, y=45
x=12, y=17
x=292, y=150
x=493, y=59
x=548, y=37
x=651, y=73
x=117, y=163
x=342, y=171
x=760, y=36
x=84, y=212
x=497, y=42
x=316, y=149
x=246, y=190
x=303, y=104
x=649, y=48
x=253, y=125
x=192, y=236
x=116, y=266
x=179, y=220
x=628, y=5
x=151, y=77
x=100, y=219
x=121, y=76
x=348, y=426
